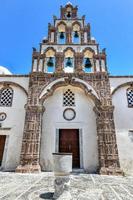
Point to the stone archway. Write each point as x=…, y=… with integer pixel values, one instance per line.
x=55, y=125
x=50, y=88
x=107, y=146
x=49, y=91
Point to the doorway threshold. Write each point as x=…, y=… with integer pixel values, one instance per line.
x=78, y=170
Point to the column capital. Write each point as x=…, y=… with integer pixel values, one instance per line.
x=100, y=108
x=35, y=108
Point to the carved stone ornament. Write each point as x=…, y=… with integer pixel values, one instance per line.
x=2, y=116
x=69, y=114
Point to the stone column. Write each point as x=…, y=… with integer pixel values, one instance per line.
x=29, y=159
x=59, y=62
x=78, y=62
x=69, y=35
x=82, y=36
x=94, y=67
x=107, y=145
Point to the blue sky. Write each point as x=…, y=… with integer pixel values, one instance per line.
x=23, y=24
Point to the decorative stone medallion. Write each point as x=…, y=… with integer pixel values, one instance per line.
x=2, y=116
x=69, y=114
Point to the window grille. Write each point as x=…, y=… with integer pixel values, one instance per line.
x=6, y=97
x=68, y=98
x=130, y=97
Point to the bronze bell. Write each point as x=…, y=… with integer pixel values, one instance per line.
x=68, y=14
x=50, y=62
x=87, y=63
x=69, y=62
x=62, y=36
x=76, y=35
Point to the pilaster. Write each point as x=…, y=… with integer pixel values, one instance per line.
x=107, y=144
x=59, y=62
x=79, y=62
x=29, y=159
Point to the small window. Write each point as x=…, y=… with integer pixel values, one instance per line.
x=6, y=97
x=130, y=97
x=68, y=98
x=87, y=65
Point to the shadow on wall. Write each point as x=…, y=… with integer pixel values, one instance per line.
x=46, y=165
x=126, y=166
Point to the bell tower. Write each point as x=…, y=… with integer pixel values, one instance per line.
x=74, y=48
x=71, y=52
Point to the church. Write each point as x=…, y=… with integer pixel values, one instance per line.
x=68, y=103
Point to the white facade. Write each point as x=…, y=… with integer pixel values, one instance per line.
x=123, y=116
x=85, y=121
x=69, y=58
x=13, y=125
x=53, y=120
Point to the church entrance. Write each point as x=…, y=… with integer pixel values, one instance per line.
x=69, y=143
x=2, y=145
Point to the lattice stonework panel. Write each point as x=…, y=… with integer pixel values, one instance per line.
x=68, y=98
x=6, y=97
x=130, y=97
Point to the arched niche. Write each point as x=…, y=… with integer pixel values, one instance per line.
x=69, y=61
x=88, y=61
x=76, y=34
x=84, y=121
x=49, y=66
x=61, y=33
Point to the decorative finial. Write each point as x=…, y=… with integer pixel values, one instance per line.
x=34, y=49
x=104, y=50
x=69, y=3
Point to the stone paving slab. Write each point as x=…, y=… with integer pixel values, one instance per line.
x=83, y=187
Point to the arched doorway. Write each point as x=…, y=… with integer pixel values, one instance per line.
x=69, y=123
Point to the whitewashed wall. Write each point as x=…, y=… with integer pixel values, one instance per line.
x=23, y=81
x=53, y=120
x=14, y=123
x=124, y=122
x=85, y=120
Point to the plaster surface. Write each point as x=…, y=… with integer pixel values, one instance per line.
x=85, y=120
x=123, y=116
x=13, y=126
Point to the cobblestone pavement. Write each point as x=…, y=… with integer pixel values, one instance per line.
x=83, y=187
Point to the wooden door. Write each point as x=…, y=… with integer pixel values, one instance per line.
x=69, y=143
x=2, y=145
